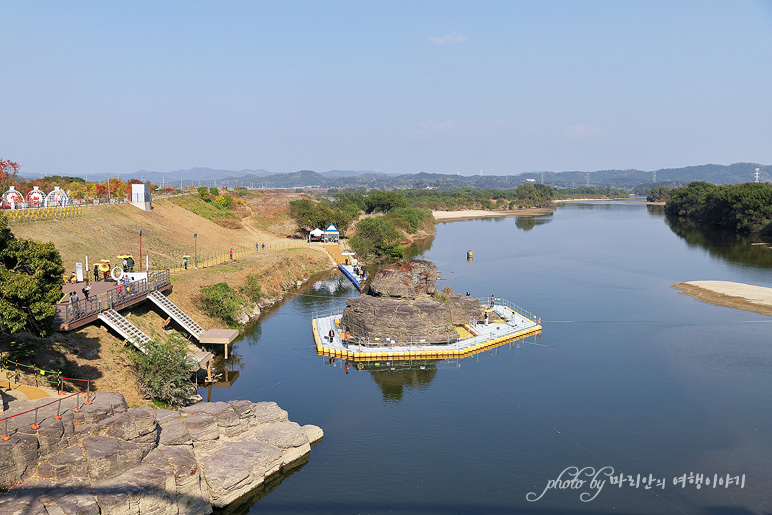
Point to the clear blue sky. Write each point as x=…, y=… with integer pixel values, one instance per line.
x=397, y=86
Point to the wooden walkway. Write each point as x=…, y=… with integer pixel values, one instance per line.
x=104, y=295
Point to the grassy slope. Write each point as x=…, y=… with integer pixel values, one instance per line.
x=106, y=231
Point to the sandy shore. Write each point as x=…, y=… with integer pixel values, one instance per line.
x=448, y=216
x=748, y=297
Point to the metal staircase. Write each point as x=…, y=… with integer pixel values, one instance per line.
x=171, y=309
x=132, y=333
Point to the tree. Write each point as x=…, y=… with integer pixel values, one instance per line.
x=8, y=171
x=164, y=372
x=658, y=194
x=377, y=236
x=384, y=201
x=30, y=283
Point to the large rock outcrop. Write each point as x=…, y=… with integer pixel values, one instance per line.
x=401, y=303
x=110, y=458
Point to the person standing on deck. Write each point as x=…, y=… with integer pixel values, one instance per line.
x=493, y=301
x=96, y=273
x=86, y=290
x=74, y=302
x=331, y=334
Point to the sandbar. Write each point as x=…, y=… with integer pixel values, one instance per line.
x=748, y=297
x=468, y=214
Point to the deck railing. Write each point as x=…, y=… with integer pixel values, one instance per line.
x=107, y=300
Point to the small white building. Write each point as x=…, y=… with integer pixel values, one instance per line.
x=140, y=196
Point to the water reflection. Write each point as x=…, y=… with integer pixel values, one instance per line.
x=419, y=247
x=526, y=223
x=655, y=210
x=394, y=378
x=727, y=245
x=318, y=295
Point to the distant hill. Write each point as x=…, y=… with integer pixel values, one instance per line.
x=350, y=173
x=629, y=179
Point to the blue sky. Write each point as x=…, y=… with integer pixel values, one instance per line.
x=399, y=86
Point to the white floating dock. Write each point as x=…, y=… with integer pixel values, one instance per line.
x=515, y=323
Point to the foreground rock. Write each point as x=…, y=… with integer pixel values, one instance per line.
x=402, y=302
x=110, y=458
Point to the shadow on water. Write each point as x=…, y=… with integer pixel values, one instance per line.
x=243, y=505
x=727, y=245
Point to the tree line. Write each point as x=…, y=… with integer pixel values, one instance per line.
x=408, y=211
x=745, y=208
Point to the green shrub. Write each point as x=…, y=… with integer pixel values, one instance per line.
x=224, y=201
x=203, y=194
x=164, y=372
x=251, y=288
x=214, y=191
x=221, y=301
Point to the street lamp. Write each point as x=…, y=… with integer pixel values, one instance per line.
x=195, y=249
x=140, y=249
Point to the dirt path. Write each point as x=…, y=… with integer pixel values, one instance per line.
x=747, y=297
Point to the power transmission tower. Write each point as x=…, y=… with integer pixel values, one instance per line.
x=756, y=174
x=587, y=179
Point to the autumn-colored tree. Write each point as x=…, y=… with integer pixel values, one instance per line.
x=8, y=171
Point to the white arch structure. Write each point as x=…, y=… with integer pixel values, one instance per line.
x=57, y=198
x=35, y=197
x=13, y=198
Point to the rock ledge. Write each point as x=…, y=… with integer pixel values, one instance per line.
x=110, y=458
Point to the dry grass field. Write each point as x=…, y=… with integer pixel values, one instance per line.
x=106, y=231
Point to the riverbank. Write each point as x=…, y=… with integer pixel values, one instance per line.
x=748, y=297
x=469, y=214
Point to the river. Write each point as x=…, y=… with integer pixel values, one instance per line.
x=628, y=376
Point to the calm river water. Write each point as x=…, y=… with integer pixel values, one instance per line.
x=628, y=375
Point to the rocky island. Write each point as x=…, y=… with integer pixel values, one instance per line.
x=401, y=301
